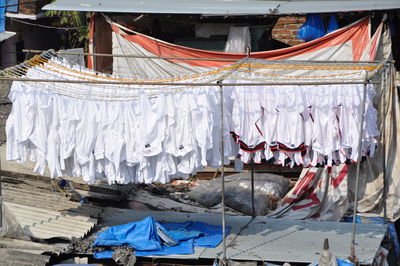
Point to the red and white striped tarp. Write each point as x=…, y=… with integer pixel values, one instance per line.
x=320, y=193
x=348, y=43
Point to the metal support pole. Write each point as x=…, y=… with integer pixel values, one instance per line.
x=384, y=195
x=93, y=81
x=359, y=148
x=1, y=197
x=1, y=204
x=222, y=174
x=253, y=212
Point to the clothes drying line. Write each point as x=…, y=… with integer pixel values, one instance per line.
x=183, y=84
x=190, y=58
x=45, y=61
x=366, y=81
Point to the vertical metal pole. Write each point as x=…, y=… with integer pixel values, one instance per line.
x=222, y=174
x=253, y=212
x=383, y=117
x=359, y=148
x=1, y=196
x=1, y=204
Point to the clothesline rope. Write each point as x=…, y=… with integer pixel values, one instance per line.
x=243, y=67
x=187, y=84
x=188, y=58
x=282, y=65
x=16, y=72
x=53, y=78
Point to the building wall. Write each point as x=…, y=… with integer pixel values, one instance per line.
x=31, y=7
x=285, y=30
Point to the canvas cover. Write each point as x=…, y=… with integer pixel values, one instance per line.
x=325, y=194
x=348, y=43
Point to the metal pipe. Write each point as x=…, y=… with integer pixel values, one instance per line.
x=189, y=58
x=1, y=197
x=181, y=84
x=385, y=73
x=253, y=212
x=222, y=174
x=1, y=202
x=359, y=148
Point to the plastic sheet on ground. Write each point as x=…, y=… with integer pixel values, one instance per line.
x=238, y=192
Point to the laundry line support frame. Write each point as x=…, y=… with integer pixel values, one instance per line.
x=223, y=262
x=181, y=84
x=184, y=58
x=353, y=256
x=219, y=83
x=253, y=212
x=1, y=197
x=386, y=83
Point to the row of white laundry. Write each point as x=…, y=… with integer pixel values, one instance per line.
x=153, y=133
x=305, y=125
x=146, y=140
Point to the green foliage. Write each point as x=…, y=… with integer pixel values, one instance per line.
x=78, y=22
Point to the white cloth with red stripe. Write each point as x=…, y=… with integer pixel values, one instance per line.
x=305, y=125
x=320, y=193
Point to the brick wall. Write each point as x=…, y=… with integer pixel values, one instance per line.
x=30, y=7
x=285, y=29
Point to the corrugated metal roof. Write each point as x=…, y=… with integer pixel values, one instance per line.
x=30, y=195
x=11, y=257
x=24, y=253
x=31, y=247
x=43, y=213
x=301, y=241
x=222, y=7
x=45, y=224
x=264, y=239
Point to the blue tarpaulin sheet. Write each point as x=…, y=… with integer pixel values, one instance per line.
x=143, y=237
x=12, y=6
x=314, y=28
x=339, y=263
x=3, y=4
x=140, y=235
x=210, y=235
